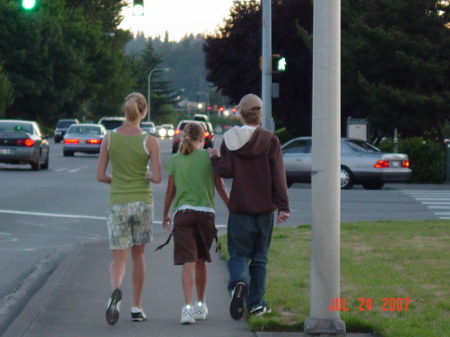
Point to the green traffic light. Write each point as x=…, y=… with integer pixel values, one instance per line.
x=138, y=10
x=28, y=4
x=281, y=64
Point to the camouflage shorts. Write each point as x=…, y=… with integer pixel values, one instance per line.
x=129, y=224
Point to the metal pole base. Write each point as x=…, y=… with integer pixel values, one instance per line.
x=318, y=327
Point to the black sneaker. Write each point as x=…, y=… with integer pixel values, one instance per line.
x=137, y=315
x=237, y=300
x=113, y=308
x=260, y=310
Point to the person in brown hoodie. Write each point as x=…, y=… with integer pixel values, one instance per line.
x=251, y=155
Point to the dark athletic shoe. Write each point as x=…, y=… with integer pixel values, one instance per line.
x=113, y=308
x=237, y=300
x=138, y=315
x=260, y=310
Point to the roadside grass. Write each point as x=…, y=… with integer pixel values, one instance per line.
x=406, y=261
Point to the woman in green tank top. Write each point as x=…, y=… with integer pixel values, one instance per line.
x=129, y=214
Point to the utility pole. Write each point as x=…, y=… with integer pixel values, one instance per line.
x=266, y=81
x=325, y=188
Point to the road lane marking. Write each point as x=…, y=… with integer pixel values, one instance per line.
x=433, y=200
x=73, y=216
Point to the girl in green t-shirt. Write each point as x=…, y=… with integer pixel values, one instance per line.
x=191, y=190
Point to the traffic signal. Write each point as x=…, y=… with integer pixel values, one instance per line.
x=138, y=7
x=278, y=63
x=28, y=4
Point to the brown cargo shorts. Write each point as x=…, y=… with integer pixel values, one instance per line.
x=194, y=233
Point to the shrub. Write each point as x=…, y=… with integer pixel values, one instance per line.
x=427, y=158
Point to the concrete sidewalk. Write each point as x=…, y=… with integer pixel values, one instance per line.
x=72, y=302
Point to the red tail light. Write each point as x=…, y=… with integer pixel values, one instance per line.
x=25, y=142
x=382, y=164
x=71, y=141
x=94, y=141
x=206, y=134
x=405, y=163
x=177, y=132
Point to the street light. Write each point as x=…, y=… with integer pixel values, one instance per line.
x=207, y=102
x=148, y=96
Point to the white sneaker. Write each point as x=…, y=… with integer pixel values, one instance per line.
x=187, y=314
x=200, y=311
x=137, y=315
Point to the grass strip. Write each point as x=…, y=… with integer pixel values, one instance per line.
x=380, y=261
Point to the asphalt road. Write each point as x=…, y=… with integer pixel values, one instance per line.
x=45, y=214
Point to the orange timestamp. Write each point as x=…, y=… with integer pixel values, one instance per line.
x=367, y=304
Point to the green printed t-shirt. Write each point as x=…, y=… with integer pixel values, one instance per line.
x=194, y=179
x=129, y=161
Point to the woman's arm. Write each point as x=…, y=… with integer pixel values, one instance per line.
x=221, y=188
x=103, y=160
x=155, y=161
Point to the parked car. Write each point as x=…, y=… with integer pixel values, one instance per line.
x=112, y=122
x=148, y=127
x=61, y=128
x=361, y=163
x=178, y=135
x=86, y=138
x=21, y=142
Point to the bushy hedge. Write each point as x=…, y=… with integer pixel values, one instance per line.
x=427, y=158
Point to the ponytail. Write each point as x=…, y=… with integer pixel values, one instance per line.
x=191, y=134
x=135, y=107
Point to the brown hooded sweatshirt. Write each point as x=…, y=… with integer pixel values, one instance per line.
x=253, y=158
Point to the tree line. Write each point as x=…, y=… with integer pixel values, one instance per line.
x=395, y=63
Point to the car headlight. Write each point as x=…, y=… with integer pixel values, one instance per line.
x=162, y=132
x=170, y=133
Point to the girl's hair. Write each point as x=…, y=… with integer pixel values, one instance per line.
x=192, y=133
x=252, y=116
x=135, y=107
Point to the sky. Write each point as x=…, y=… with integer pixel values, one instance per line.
x=178, y=17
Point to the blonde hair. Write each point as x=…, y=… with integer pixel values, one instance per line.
x=192, y=133
x=135, y=107
x=252, y=116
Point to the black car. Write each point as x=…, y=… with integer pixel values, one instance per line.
x=61, y=128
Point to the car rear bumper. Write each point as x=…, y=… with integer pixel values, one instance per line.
x=383, y=175
x=82, y=148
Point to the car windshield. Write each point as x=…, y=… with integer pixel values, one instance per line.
x=16, y=127
x=64, y=124
x=85, y=130
x=148, y=124
x=362, y=146
x=110, y=125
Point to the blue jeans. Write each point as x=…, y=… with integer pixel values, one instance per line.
x=248, y=245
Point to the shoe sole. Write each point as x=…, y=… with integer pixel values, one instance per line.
x=112, y=313
x=237, y=302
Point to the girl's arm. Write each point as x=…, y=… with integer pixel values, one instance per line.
x=170, y=195
x=221, y=188
x=155, y=161
x=103, y=160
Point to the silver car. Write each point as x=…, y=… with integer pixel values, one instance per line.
x=86, y=138
x=361, y=163
x=21, y=142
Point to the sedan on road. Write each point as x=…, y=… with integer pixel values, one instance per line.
x=21, y=142
x=361, y=163
x=86, y=138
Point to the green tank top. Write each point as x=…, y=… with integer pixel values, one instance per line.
x=129, y=160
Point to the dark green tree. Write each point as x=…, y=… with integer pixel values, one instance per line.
x=396, y=65
x=6, y=92
x=232, y=58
